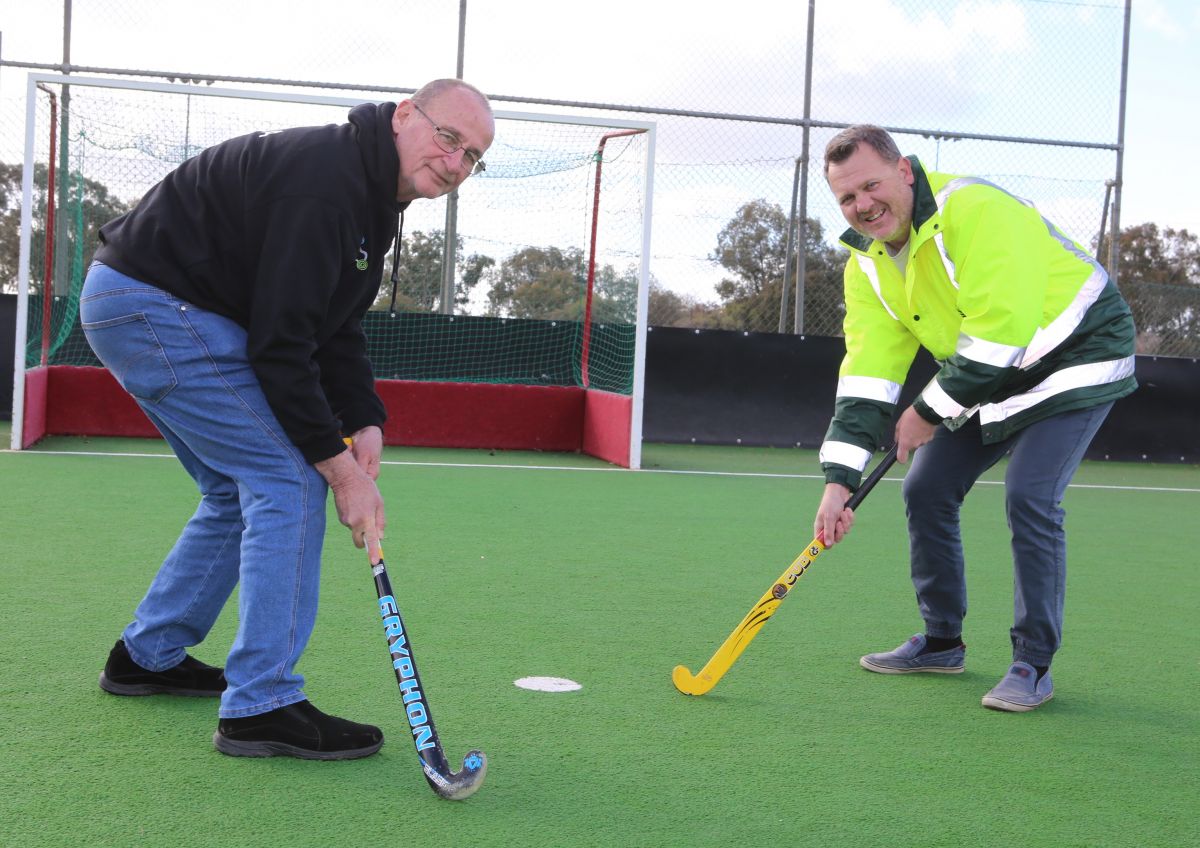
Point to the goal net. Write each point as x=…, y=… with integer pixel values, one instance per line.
x=521, y=299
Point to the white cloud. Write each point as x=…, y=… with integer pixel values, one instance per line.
x=1156, y=17
x=883, y=65
x=645, y=53
x=880, y=36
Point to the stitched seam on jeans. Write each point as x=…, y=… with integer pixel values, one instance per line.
x=300, y=465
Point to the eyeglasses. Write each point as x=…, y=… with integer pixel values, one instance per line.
x=449, y=143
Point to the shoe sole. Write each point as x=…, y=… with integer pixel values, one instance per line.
x=114, y=688
x=885, y=669
x=236, y=748
x=1012, y=706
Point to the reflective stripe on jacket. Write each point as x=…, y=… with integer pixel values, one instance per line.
x=1023, y=321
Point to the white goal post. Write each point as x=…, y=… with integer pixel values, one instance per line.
x=540, y=202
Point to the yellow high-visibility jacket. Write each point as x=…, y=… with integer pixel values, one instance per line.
x=1022, y=320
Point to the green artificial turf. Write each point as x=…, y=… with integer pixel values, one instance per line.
x=611, y=578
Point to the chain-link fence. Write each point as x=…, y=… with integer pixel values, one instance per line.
x=1022, y=92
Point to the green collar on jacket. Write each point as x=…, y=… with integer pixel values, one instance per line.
x=924, y=208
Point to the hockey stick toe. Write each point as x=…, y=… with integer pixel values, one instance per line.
x=462, y=784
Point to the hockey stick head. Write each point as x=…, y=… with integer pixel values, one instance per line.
x=690, y=684
x=458, y=785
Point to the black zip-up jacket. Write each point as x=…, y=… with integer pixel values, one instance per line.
x=285, y=233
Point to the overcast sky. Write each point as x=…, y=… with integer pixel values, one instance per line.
x=1005, y=67
x=1162, y=123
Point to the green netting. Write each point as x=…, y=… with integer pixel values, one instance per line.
x=56, y=346
x=522, y=246
x=481, y=349
x=464, y=349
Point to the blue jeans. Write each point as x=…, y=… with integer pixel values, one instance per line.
x=261, y=518
x=1045, y=456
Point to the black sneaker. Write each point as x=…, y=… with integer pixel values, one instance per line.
x=297, y=730
x=122, y=676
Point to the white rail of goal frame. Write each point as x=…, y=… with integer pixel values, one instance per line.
x=22, y=329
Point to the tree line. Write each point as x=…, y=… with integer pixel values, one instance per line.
x=97, y=204
x=1159, y=272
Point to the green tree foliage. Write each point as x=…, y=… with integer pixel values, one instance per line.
x=419, y=273
x=551, y=283
x=751, y=247
x=1160, y=277
x=90, y=206
x=672, y=309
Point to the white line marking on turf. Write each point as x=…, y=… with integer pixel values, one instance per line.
x=35, y=452
x=605, y=469
x=548, y=684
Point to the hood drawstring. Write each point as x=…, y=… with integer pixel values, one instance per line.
x=396, y=264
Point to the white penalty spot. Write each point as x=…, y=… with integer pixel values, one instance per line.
x=548, y=684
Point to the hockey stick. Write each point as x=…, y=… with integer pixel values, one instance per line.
x=741, y=636
x=443, y=781
x=447, y=784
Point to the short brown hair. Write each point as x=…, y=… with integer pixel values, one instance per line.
x=842, y=146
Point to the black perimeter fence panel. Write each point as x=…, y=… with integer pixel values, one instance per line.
x=722, y=387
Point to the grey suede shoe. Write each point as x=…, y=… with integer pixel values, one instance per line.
x=908, y=659
x=1020, y=690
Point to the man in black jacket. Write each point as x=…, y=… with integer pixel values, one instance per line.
x=229, y=303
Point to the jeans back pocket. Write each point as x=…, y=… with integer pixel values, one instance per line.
x=130, y=349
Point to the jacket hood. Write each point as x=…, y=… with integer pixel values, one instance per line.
x=372, y=124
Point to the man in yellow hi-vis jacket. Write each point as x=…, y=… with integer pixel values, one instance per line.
x=1034, y=343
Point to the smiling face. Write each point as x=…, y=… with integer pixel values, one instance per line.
x=426, y=170
x=875, y=195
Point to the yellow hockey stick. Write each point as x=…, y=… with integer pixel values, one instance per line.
x=742, y=635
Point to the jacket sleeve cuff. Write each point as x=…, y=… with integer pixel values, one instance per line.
x=848, y=477
x=927, y=412
x=364, y=414
x=322, y=448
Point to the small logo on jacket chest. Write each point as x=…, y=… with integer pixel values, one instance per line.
x=361, y=262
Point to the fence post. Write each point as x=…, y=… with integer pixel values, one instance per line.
x=1114, y=253
x=787, y=250
x=802, y=231
x=450, y=233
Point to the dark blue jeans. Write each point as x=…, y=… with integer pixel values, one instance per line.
x=1045, y=456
